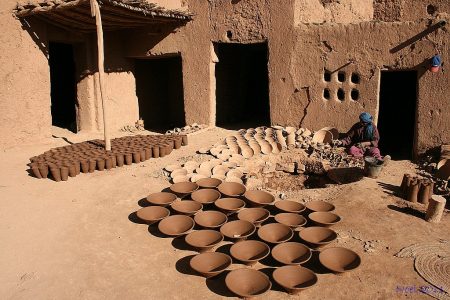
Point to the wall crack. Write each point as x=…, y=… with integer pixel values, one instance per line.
x=305, y=110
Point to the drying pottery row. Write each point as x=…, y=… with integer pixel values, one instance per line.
x=210, y=211
x=86, y=157
x=416, y=189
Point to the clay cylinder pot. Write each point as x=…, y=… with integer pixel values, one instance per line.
x=56, y=173
x=405, y=183
x=77, y=166
x=413, y=191
x=136, y=156
x=128, y=158
x=162, y=151
x=113, y=161
x=108, y=163
x=92, y=165
x=424, y=193
x=184, y=140
x=119, y=159
x=177, y=142
x=43, y=170
x=100, y=164
x=35, y=170
x=64, y=173
x=143, y=156
x=84, y=166
x=431, y=190
x=72, y=170
x=155, y=151
x=148, y=153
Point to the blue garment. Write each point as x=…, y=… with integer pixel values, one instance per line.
x=366, y=118
x=436, y=61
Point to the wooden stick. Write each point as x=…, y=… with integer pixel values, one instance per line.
x=435, y=209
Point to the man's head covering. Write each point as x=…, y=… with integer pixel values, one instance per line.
x=366, y=118
x=435, y=63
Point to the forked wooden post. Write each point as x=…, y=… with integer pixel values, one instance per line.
x=95, y=12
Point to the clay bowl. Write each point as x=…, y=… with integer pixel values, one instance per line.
x=209, y=183
x=324, y=218
x=229, y=205
x=290, y=206
x=161, y=199
x=291, y=253
x=210, y=219
x=275, y=233
x=318, y=236
x=319, y=206
x=152, y=214
x=183, y=188
x=255, y=215
x=238, y=230
x=247, y=283
x=231, y=189
x=339, y=259
x=249, y=252
x=294, y=278
x=210, y=264
x=204, y=240
x=259, y=198
x=176, y=225
x=290, y=219
x=186, y=207
x=322, y=136
x=205, y=196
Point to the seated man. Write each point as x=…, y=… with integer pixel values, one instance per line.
x=363, y=138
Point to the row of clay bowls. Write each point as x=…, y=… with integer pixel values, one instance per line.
x=214, y=168
x=249, y=251
x=86, y=157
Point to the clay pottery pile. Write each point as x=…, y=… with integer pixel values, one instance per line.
x=292, y=220
x=255, y=215
x=204, y=240
x=176, y=225
x=209, y=183
x=275, y=233
x=325, y=219
x=229, y=205
x=238, y=230
x=322, y=136
x=290, y=206
x=231, y=189
x=334, y=132
x=291, y=253
x=161, y=198
x=249, y=252
x=416, y=189
x=318, y=206
x=183, y=188
x=259, y=198
x=247, y=283
x=186, y=207
x=205, y=196
x=152, y=214
x=210, y=264
x=318, y=236
x=339, y=259
x=294, y=278
x=210, y=219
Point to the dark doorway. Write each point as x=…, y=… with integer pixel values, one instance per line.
x=242, y=85
x=397, y=115
x=63, y=86
x=159, y=88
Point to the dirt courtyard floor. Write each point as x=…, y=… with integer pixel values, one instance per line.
x=75, y=239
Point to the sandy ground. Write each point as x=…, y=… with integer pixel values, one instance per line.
x=74, y=239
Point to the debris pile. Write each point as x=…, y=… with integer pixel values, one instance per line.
x=187, y=129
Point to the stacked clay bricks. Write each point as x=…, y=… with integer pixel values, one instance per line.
x=86, y=157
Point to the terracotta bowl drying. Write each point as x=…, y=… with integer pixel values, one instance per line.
x=290, y=206
x=319, y=206
x=205, y=196
x=161, y=199
x=183, y=188
x=324, y=218
x=231, y=189
x=294, y=278
x=290, y=219
x=339, y=259
x=208, y=182
x=318, y=236
x=210, y=263
x=210, y=219
x=152, y=214
x=176, y=225
x=275, y=233
x=255, y=215
x=249, y=252
x=259, y=198
x=247, y=283
x=204, y=240
x=229, y=205
x=291, y=253
x=238, y=229
x=187, y=207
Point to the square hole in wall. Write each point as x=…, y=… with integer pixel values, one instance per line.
x=341, y=76
x=327, y=76
x=355, y=78
x=354, y=94
x=340, y=94
x=326, y=94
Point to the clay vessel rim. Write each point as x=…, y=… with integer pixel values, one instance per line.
x=323, y=253
x=281, y=282
x=278, y=218
x=176, y=206
x=277, y=252
x=219, y=204
x=279, y=205
x=310, y=205
x=193, y=263
x=262, y=231
x=234, y=250
x=228, y=278
x=246, y=211
x=199, y=195
x=198, y=218
x=253, y=195
x=313, y=217
x=162, y=225
x=333, y=235
x=225, y=226
x=190, y=238
x=161, y=209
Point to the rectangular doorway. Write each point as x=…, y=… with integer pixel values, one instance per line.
x=63, y=86
x=242, y=85
x=397, y=113
x=159, y=88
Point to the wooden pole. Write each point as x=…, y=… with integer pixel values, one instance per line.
x=435, y=209
x=95, y=12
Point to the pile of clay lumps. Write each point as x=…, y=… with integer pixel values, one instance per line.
x=63, y=162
